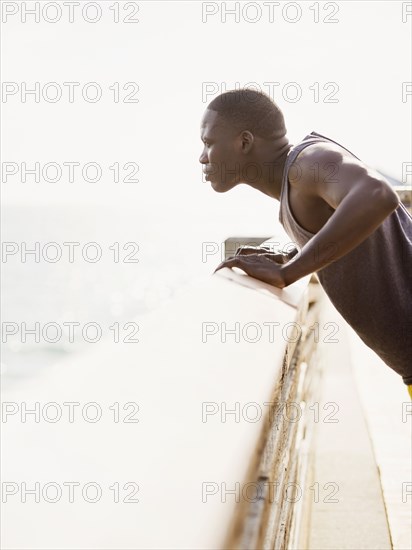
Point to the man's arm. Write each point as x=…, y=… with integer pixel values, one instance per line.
x=362, y=199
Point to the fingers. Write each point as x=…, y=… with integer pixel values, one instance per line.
x=230, y=262
x=243, y=250
x=278, y=258
x=243, y=262
x=253, y=250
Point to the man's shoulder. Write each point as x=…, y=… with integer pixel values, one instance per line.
x=313, y=159
x=321, y=156
x=320, y=151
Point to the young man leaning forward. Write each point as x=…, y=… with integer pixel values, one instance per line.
x=350, y=226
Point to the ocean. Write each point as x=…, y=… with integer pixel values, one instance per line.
x=74, y=275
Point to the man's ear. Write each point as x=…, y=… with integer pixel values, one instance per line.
x=247, y=140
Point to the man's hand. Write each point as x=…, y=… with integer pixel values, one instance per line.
x=260, y=266
x=280, y=257
x=262, y=251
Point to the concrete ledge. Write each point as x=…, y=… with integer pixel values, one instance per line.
x=169, y=455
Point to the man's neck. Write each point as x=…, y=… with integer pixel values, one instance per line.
x=271, y=170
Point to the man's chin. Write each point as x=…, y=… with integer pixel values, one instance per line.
x=221, y=187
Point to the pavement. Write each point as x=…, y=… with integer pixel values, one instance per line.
x=361, y=465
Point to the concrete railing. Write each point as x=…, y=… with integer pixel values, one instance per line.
x=189, y=423
x=405, y=194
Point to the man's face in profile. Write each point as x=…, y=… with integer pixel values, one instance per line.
x=221, y=154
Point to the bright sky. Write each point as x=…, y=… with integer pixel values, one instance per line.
x=361, y=60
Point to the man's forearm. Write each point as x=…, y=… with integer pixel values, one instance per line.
x=352, y=222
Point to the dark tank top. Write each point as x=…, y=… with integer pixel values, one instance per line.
x=371, y=286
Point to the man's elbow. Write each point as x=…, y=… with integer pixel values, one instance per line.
x=384, y=195
x=392, y=199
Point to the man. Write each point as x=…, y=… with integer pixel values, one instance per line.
x=348, y=222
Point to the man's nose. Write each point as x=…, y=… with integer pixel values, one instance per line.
x=203, y=158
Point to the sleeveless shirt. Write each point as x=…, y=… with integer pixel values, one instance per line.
x=371, y=286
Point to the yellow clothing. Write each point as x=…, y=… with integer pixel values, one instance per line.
x=410, y=390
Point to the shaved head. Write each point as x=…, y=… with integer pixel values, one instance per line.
x=250, y=110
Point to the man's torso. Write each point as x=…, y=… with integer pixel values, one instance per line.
x=371, y=286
